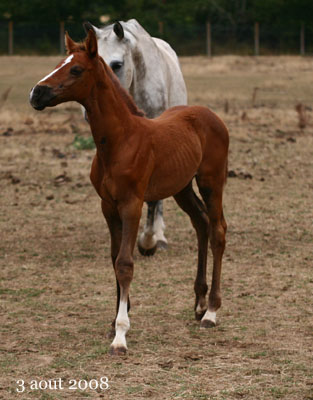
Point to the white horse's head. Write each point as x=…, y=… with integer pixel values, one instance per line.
x=147, y=67
x=115, y=46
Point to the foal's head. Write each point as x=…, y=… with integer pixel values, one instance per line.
x=73, y=78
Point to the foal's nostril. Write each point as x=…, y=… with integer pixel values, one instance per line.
x=38, y=91
x=40, y=96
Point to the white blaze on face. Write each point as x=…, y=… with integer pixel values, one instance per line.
x=66, y=61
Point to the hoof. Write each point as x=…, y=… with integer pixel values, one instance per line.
x=118, y=351
x=200, y=315
x=147, y=252
x=161, y=244
x=206, y=323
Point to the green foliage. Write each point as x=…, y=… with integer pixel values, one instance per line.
x=39, y=10
x=167, y=11
x=82, y=143
x=180, y=22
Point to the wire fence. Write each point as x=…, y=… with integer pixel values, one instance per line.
x=26, y=38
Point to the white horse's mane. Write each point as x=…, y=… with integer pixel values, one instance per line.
x=132, y=27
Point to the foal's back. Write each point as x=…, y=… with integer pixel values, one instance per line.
x=185, y=141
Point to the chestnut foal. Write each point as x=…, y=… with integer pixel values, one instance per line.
x=139, y=159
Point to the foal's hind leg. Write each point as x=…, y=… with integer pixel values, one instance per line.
x=194, y=207
x=153, y=234
x=212, y=194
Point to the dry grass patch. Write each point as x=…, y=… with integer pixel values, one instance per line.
x=57, y=287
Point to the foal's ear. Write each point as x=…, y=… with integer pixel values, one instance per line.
x=118, y=30
x=69, y=43
x=91, y=44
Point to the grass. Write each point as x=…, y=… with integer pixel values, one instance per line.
x=82, y=143
x=57, y=287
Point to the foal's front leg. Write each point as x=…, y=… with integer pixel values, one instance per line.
x=130, y=214
x=114, y=222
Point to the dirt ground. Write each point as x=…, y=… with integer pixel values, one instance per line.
x=57, y=285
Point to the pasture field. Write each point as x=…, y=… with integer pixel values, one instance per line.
x=57, y=287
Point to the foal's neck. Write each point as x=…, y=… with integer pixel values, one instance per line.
x=109, y=120
x=111, y=111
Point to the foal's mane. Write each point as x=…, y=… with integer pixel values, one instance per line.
x=124, y=94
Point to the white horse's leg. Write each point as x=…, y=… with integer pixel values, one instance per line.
x=153, y=234
x=147, y=242
x=159, y=225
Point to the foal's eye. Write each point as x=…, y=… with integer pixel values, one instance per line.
x=76, y=70
x=116, y=66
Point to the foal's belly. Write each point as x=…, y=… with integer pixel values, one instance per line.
x=167, y=188
x=173, y=170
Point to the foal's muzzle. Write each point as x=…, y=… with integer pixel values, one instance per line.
x=41, y=96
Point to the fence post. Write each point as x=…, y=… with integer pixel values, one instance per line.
x=302, y=40
x=62, y=33
x=161, y=28
x=208, y=40
x=256, y=39
x=10, y=37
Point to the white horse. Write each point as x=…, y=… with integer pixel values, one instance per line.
x=149, y=69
